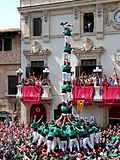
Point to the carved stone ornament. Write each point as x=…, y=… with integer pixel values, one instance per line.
x=37, y=51
x=99, y=9
x=26, y=17
x=35, y=48
x=76, y=12
x=117, y=57
x=109, y=12
x=45, y=16
x=89, y=46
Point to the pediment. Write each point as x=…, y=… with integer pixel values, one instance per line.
x=88, y=47
x=36, y=51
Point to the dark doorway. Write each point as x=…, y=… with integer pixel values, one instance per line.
x=87, y=65
x=37, y=68
x=114, y=116
x=38, y=71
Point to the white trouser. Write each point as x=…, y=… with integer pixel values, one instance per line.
x=86, y=141
x=41, y=139
x=92, y=139
x=97, y=136
x=65, y=56
x=64, y=97
x=36, y=136
x=69, y=96
x=68, y=77
x=64, y=145
x=64, y=76
x=81, y=143
x=57, y=141
x=69, y=57
x=74, y=142
x=50, y=145
x=68, y=39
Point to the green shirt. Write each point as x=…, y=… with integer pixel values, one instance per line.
x=41, y=128
x=65, y=68
x=35, y=125
x=67, y=48
x=64, y=87
x=67, y=32
x=71, y=132
x=64, y=108
x=51, y=134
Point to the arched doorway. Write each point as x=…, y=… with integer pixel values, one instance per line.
x=114, y=116
x=38, y=110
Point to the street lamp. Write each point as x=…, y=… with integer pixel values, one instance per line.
x=46, y=72
x=19, y=73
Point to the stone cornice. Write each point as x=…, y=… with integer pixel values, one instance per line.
x=59, y=5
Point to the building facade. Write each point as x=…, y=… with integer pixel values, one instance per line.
x=9, y=64
x=96, y=36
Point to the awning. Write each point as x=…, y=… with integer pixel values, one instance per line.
x=85, y=93
x=31, y=94
x=111, y=96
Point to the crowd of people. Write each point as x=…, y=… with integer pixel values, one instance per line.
x=96, y=79
x=35, y=81
x=67, y=138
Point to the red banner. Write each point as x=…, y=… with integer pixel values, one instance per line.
x=83, y=93
x=111, y=96
x=31, y=94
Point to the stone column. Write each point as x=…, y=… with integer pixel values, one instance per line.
x=76, y=23
x=25, y=113
x=82, y=22
x=26, y=28
x=99, y=21
x=46, y=26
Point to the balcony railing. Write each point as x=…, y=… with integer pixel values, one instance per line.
x=46, y=94
x=97, y=94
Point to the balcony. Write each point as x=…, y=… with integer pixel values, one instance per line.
x=46, y=94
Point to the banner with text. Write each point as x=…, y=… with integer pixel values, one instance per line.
x=31, y=94
x=111, y=96
x=83, y=93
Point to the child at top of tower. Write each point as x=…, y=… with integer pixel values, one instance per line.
x=67, y=28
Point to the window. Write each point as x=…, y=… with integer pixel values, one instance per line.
x=37, y=27
x=12, y=84
x=0, y=45
x=88, y=22
x=8, y=44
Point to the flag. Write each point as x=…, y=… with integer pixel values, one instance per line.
x=85, y=93
x=80, y=104
x=111, y=96
x=31, y=94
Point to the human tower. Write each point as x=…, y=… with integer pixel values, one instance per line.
x=66, y=70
